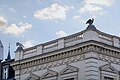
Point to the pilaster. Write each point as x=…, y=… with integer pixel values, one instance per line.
x=91, y=68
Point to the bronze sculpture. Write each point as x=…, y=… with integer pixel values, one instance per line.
x=90, y=21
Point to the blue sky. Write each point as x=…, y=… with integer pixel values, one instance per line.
x=34, y=22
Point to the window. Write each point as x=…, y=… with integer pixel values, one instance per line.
x=69, y=79
x=108, y=72
x=69, y=73
x=108, y=78
x=5, y=73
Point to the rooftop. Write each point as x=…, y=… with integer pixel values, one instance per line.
x=90, y=33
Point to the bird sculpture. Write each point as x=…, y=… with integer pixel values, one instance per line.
x=90, y=21
x=19, y=44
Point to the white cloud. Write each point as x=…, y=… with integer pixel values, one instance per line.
x=78, y=18
x=72, y=7
x=25, y=17
x=3, y=22
x=13, y=28
x=54, y=12
x=20, y=23
x=100, y=2
x=17, y=30
x=61, y=33
x=12, y=9
x=95, y=7
x=28, y=43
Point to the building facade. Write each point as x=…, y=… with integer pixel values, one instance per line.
x=1, y=58
x=6, y=69
x=86, y=55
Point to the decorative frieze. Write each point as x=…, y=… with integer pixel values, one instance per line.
x=72, y=56
x=53, y=64
x=109, y=59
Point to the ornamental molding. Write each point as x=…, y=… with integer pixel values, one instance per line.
x=69, y=69
x=108, y=68
x=72, y=55
x=109, y=59
x=49, y=73
x=32, y=76
x=53, y=64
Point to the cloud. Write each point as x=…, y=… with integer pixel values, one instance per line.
x=28, y=43
x=78, y=18
x=25, y=17
x=17, y=30
x=54, y=12
x=13, y=28
x=95, y=7
x=61, y=33
x=3, y=22
x=12, y=9
x=100, y=2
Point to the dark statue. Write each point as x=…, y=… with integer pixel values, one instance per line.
x=90, y=26
x=20, y=47
x=90, y=21
x=19, y=44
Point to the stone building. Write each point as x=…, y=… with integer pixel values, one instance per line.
x=7, y=71
x=86, y=55
x=1, y=58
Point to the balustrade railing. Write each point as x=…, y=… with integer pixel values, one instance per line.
x=50, y=46
x=73, y=38
x=106, y=39
x=69, y=41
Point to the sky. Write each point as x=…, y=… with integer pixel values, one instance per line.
x=33, y=22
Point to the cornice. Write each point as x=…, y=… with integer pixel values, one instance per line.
x=75, y=50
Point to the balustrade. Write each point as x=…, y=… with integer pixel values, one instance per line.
x=70, y=41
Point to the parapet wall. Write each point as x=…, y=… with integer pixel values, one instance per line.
x=71, y=40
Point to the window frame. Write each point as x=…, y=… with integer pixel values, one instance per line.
x=5, y=72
